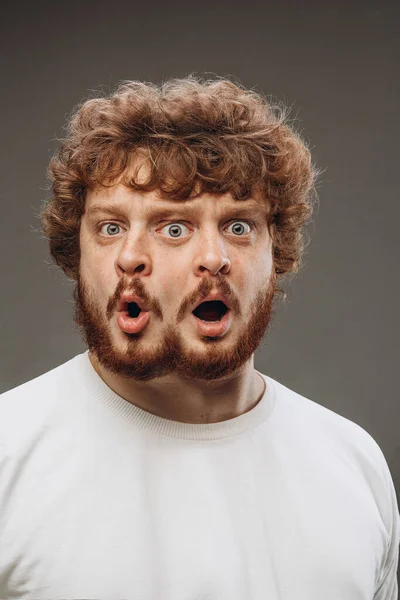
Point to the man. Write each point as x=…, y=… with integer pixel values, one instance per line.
x=160, y=464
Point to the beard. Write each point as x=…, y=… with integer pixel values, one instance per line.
x=131, y=356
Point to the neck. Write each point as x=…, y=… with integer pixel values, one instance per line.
x=189, y=401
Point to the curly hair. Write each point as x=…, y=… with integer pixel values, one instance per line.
x=198, y=136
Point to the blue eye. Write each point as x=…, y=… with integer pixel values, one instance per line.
x=110, y=225
x=247, y=223
x=174, y=228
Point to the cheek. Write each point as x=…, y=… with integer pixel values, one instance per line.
x=265, y=265
x=263, y=262
x=86, y=256
x=97, y=275
x=96, y=267
x=253, y=275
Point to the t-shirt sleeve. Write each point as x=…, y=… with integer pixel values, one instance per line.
x=387, y=587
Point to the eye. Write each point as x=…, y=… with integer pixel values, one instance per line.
x=175, y=228
x=241, y=226
x=110, y=228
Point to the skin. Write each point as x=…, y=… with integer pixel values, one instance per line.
x=169, y=369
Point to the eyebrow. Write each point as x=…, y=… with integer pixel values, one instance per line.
x=243, y=209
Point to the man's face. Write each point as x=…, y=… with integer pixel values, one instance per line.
x=171, y=262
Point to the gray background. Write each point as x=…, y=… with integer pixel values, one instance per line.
x=336, y=338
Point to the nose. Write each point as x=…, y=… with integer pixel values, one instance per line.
x=212, y=257
x=132, y=259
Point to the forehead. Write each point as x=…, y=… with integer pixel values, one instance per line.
x=120, y=198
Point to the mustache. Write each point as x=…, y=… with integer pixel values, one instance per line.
x=136, y=286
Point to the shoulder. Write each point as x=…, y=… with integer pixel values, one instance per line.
x=27, y=406
x=312, y=417
x=341, y=441
x=42, y=382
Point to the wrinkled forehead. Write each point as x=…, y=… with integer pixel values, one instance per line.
x=119, y=199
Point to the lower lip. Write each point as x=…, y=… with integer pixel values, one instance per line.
x=214, y=328
x=133, y=325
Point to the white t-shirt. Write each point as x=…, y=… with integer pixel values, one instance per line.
x=100, y=499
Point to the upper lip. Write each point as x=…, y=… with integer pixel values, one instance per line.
x=213, y=296
x=127, y=298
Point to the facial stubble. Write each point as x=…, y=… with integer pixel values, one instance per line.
x=140, y=360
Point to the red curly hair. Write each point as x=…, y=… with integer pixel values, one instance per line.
x=199, y=136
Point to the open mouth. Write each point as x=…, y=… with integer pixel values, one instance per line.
x=133, y=310
x=131, y=318
x=212, y=310
x=209, y=311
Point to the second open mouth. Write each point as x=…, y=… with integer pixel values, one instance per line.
x=210, y=311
